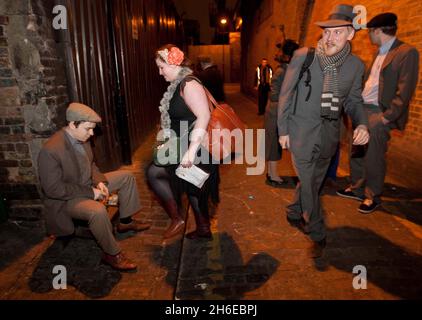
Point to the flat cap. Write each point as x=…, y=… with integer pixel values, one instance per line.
x=387, y=19
x=80, y=112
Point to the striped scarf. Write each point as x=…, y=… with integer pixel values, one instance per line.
x=330, y=102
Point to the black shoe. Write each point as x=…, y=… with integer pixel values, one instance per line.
x=299, y=224
x=275, y=183
x=349, y=194
x=317, y=248
x=365, y=209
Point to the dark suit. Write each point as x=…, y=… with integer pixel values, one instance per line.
x=211, y=78
x=314, y=140
x=66, y=197
x=397, y=83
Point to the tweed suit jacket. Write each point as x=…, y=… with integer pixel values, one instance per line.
x=59, y=176
x=397, y=83
x=307, y=131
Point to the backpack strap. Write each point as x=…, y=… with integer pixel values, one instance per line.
x=305, y=68
x=307, y=63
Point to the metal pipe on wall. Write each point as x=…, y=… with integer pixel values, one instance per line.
x=119, y=98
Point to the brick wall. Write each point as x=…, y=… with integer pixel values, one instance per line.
x=16, y=165
x=404, y=155
x=235, y=56
x=405, y=150
x=33, y=97
x=266, y=33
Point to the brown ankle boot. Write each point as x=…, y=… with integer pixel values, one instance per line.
x=203, y=230
x=177, y=225
x=197, y=235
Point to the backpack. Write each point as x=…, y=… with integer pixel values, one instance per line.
x=305, y=68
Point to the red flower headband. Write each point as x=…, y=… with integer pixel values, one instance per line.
x=174, y=56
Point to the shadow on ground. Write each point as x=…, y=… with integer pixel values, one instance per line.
x=399, y=201
x=408, y=204
x=82, y=260
x=389, y=266
x=216, y=270
x=16, y=239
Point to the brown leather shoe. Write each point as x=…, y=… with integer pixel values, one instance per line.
x=119, y=262
x=175, y=228
x=133, y=226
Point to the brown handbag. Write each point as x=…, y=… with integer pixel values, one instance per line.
x=225, y=130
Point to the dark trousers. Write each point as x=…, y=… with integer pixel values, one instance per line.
x=368, y=173
x=307, y=201
x=263, y=90
x=332, y=169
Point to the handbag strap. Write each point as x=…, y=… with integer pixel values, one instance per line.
x=214, y=103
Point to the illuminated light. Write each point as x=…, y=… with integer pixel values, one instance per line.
x=239, y=23
x=223, y=21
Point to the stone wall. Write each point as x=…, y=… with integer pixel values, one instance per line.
x=33, y=97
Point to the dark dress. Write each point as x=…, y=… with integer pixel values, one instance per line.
x=272, y=146
x=178, y=112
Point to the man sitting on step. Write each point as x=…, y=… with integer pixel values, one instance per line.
x=73, y=187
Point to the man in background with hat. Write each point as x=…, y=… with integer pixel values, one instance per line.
x=309, y=116
x=211, y=77
x=389, y=87
x=73, y=187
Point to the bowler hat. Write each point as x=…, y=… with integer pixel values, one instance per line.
x=289, y=47
x=342, y=15
x=387, y=19
x=80, y=112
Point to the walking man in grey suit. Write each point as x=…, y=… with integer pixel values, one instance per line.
x=389, y=86
x=73, y=187
x=309, y=116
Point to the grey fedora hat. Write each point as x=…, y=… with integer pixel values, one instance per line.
x=342, y=15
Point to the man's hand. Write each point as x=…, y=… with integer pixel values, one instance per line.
x=103, y=188
x=360, y=135
x=98, y=194
x=284, y=142
x=385, y=121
